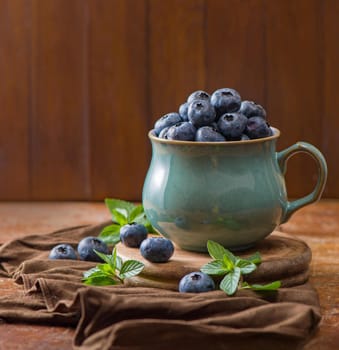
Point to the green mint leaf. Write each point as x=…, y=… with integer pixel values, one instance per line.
x=104, y=257
x=214, y=267
x=229, y=283
x=215, y=250
x=113, y=204
x=245, y=266
x=255, y=258
x=227, y=262
x=111, y=234
x=90, y=272
x=137, y=212
x=99, y=279
x=131, y=268
x=106, y=269
x=265, y=287
x=119, y=217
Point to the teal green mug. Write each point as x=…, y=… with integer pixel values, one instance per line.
x=231, y=192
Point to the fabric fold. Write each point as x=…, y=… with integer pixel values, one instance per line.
x=125, y=317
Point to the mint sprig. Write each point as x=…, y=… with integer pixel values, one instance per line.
x=123, y=213
x=113, y=271
x=226, y=264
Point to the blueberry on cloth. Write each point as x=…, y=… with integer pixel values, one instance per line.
x=87, y=246
x=63, y=251
x=196, y=282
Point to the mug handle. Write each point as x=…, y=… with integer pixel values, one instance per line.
x=282, y=158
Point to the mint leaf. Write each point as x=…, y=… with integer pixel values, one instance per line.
x=214, y=267
x=215, y=250
x=113, y=271
x=98, y=278
x=262, y=287
x=111, y=234
x=137, y=212
x=255, y=258
x=106, y=258
x=246, y=266
x=229, y=283
x=113, y=204
x=131, y=268
x=119, y=217
x=227, y=263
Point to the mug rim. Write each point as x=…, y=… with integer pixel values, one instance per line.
x=276, y=134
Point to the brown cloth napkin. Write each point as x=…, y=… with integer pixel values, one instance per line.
x=121, y=317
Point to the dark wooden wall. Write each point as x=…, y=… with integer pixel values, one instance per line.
x=82, y=81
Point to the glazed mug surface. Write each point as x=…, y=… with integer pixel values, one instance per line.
x=230, y=192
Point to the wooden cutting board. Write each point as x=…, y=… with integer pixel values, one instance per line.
x=284, y=258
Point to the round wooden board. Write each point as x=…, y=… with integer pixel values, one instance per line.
x=283, y=258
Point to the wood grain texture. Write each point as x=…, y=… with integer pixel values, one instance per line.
x=293, y=82
x=15, y=31
x=235, y=47
x=58, y=128
x=83, y=81
x=119, y=114
x=330, y=114
x=176, y=53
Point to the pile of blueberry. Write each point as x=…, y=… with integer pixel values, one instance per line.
x=221, y=116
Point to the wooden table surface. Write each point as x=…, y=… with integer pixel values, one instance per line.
x=318, y=225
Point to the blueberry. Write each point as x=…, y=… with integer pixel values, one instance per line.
x=196, y=282
x=87, y=246
x=168, y=119
x=232, y=125
x=63, y=251
x=131, y=235
x=244, y=137
x=252, y=109
x=208, y=134
x=198, y=95
x=257, y=128
x=201, y=113
x=163, y=133
x=183, y=109
x=225, y=101
x=184, y=131
x=157, y=249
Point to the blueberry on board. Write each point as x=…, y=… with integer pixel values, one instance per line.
x=201, y=113
x=63, y=251
x=252, y=109
x=196, y=282
x=157, y=249
x=257, y=128
x=232, y=125
x=183, y=109
x=87, y=246
x=184, y=131
x=131, y=235
x=208, y=134
x=168, y=119
x=198, y=95
x=225, y=100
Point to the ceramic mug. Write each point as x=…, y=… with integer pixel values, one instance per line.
x=230, y=192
